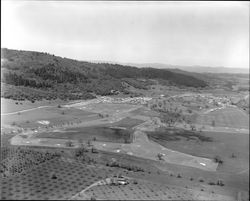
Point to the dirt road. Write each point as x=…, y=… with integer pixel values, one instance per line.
x=40, y=107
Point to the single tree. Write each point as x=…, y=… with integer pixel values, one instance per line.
x=89, y=143
x=160, y=156
x=69, y=144
x=192, y=126
x=218, y=159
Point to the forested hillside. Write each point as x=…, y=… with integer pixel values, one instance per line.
x=38, y=75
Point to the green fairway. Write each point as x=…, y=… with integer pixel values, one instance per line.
x=219, y=144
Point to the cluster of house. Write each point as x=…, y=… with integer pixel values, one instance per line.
x=134, y=100
x=189, y=102
x=200, y=101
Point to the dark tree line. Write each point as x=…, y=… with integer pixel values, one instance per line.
x=19, y=80
x=58, y=75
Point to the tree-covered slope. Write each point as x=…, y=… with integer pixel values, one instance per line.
x=71, y=79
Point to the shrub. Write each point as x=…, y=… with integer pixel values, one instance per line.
x=233, y=155
x=179, y=176
x=69, y=144
x=201, y=180
x=220, y=183
x=211, y=183
x=94, y=150
x=218, y=159
x=160, y=156
x=53, y=176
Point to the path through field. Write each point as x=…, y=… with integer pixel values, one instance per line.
x=40, y=107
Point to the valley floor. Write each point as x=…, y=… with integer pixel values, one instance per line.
x=51, y=118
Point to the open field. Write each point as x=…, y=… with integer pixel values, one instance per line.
x=144, y=112
x=9, y=105
x=220, y=144
x=106, y=108
x=142, y=147
x=231, y=148
x=127, y=122
x=52, y=116
x=227, y=117
x=164, y=135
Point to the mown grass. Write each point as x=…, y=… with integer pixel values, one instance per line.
x=98, y=133
x=177, y=134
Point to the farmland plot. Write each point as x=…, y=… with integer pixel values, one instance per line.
x=54, y=116
x=37, y=183
x=144, y=190
x=227, y=117
x=14, y=161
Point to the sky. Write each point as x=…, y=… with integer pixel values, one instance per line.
x=178, y=33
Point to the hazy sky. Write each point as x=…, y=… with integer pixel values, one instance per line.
x=180, y=33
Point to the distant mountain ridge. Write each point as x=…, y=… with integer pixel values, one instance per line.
x=195, y=69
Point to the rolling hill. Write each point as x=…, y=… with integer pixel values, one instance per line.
x=36, y=75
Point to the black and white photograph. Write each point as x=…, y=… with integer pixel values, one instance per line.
x=124, y=100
